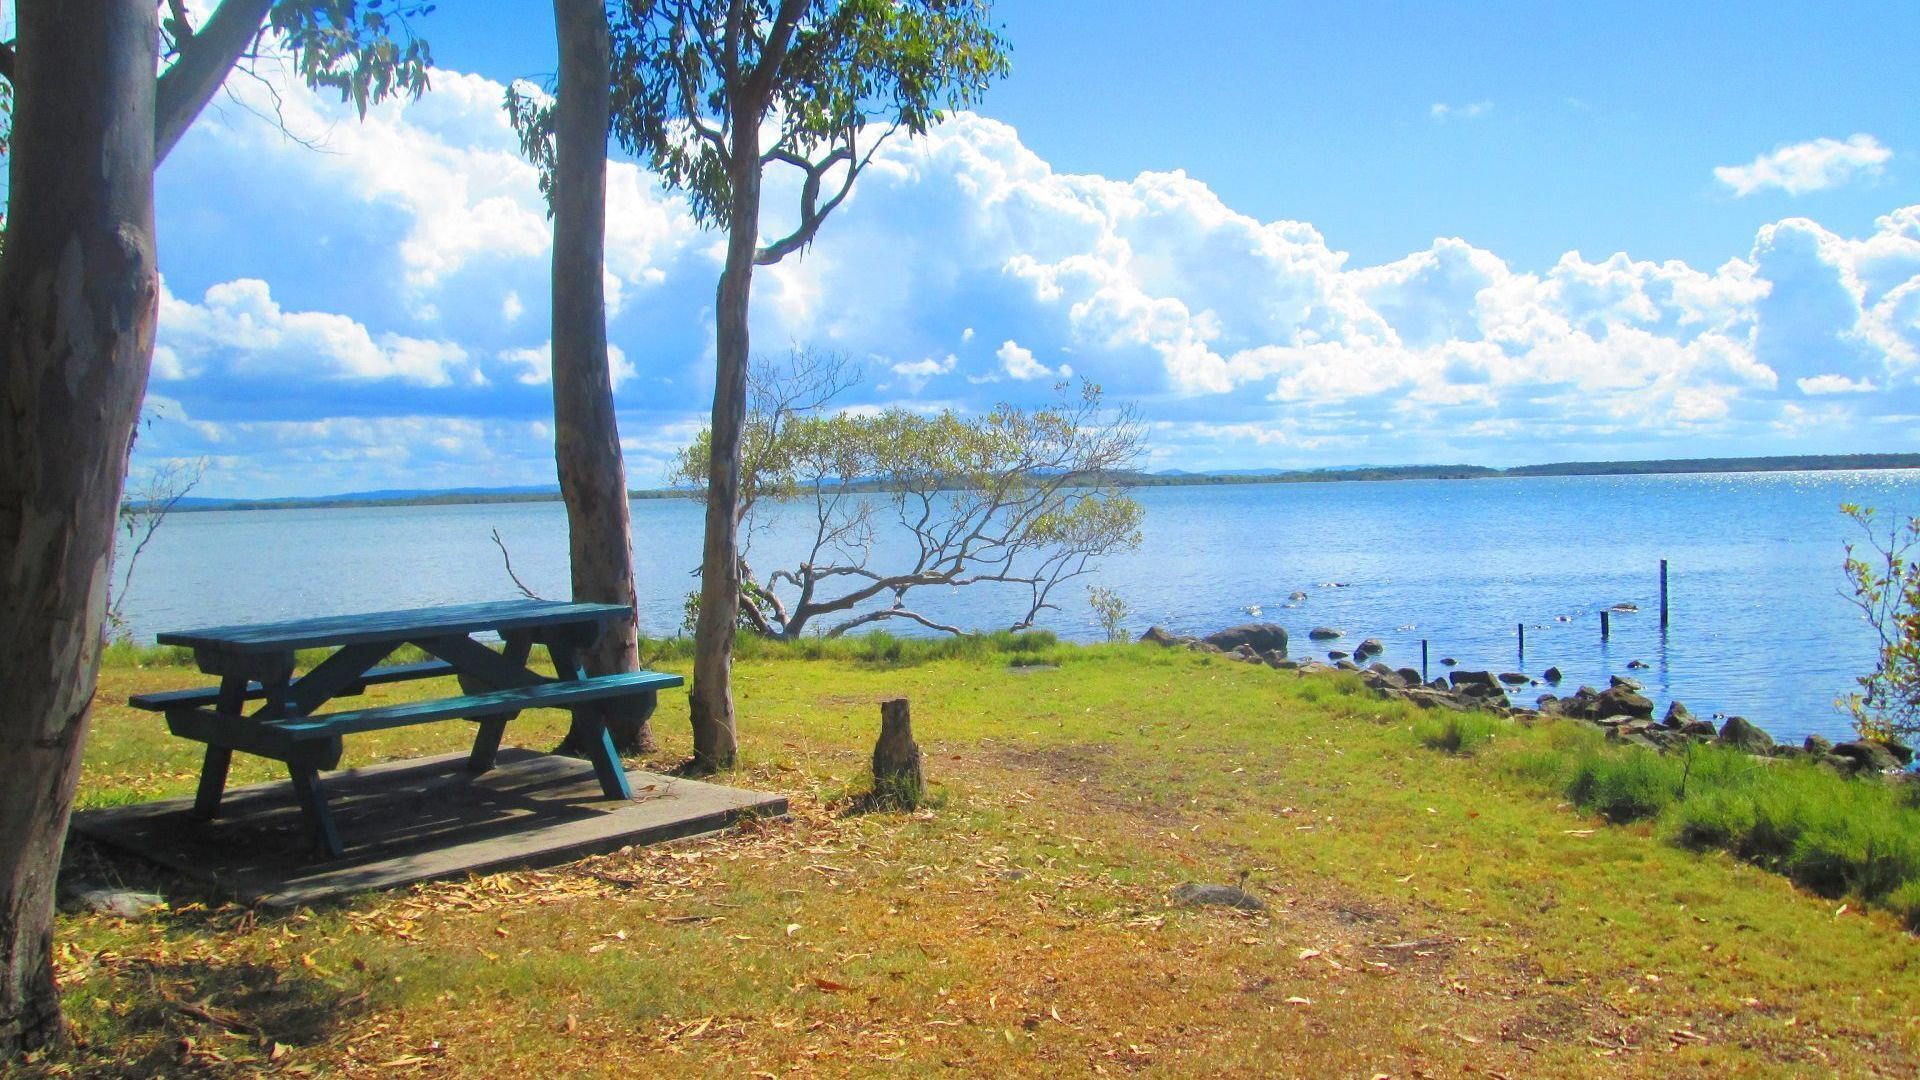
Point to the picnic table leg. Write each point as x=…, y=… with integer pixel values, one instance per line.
x=486, y=740
x=606, y=761
x=213, y=768
x=597, y=744
x=213, y=782
x=313, y=803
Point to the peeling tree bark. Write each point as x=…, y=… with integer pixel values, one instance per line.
x=78, y=303
x=593, y=477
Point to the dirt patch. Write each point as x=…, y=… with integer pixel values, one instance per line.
x=1093, y=773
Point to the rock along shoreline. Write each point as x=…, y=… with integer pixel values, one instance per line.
x=1621, y=710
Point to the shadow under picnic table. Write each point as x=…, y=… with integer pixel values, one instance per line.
x=415, y=820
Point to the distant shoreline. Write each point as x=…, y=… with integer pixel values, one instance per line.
x=1666, y=466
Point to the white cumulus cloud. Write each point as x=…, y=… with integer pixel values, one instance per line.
x=1018, y=363
x=238, y=325
x=1815, y=165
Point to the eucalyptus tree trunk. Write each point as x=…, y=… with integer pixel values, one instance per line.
x=78, y=302
x=593, y=476
x=711, y=699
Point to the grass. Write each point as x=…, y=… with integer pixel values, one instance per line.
x=1835, y=836
x=1428, y=913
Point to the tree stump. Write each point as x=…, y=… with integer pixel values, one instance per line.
x=896, y=757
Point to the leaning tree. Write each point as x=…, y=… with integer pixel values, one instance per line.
x=711, y=93
x=1015, y=501
x=79, y=293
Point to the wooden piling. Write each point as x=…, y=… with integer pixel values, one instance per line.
x=1423, y=659
x=1606, y=629
x=1663, y=594
x=1521, y=629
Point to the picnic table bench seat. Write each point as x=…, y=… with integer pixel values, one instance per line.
x=209, y=696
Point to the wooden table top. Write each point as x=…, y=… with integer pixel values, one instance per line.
x=396, y=626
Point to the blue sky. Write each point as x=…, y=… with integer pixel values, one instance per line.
x=1294, y=236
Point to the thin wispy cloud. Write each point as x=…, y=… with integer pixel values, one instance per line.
x=1442, y=112
x=1816, y=165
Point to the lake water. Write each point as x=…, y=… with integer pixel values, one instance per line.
x=1760, y=623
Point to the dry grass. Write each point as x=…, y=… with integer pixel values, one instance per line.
x=1428, y=916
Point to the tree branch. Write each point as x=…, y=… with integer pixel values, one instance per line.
x=894, y=613
x=205, y=59
x=508, y=559
x=812, y=214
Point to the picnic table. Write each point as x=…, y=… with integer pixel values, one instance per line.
x=256, y=663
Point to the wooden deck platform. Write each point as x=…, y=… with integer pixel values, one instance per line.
x=408, y=821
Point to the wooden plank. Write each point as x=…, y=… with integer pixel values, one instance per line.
x=479, y=665
x=499, y=615
x=331, y=676
x=253, y=737
x=547, y=695
x=193, y=699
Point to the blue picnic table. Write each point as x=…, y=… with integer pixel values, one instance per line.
x=256, y=663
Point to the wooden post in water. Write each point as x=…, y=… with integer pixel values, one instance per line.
x=1521, y=628
x=1423, y=659
x=1606, y=630
x=1663, y=594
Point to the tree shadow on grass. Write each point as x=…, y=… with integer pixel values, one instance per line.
x=188, y=1001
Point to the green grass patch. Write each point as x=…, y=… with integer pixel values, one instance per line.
x=1833, y=835
x=1458, y=733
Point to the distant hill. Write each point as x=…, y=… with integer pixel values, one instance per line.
x=1164, y=478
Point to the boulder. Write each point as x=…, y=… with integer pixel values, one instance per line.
x=1678, y=715
x=118, y=903
x=1297, y=595
x=1697, y=729
x=1382, y=677
x=1346, y=665
x=1245, y=652
x=1409, y=675
x=1740, y=734
x=1431, y=698
x=1514, y=678
x=1337, y=654
x=1448, y=661
x=1157, y=635
x=1325, y=633
x=1817, y=745
x=1620, y=701
x=1478, y=679
x=1264, y=637
x=1867, y=755
x=1232, y=896
x=1370, y=647
x=1552, y=675
x=1637, y=665
x=1620, y=681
